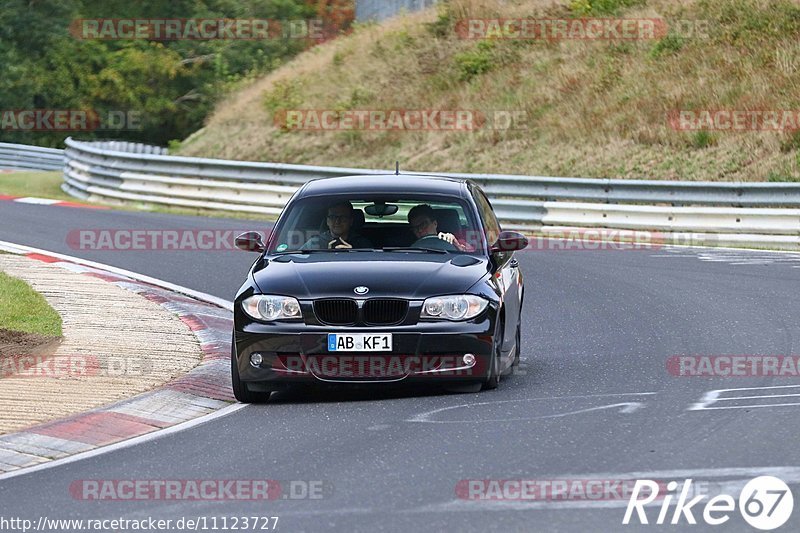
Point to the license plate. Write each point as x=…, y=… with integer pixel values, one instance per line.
x=359, y=342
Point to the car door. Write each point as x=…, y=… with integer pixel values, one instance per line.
x=508, y=274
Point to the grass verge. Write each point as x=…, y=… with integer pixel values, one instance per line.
x=36, y=183
x=24, y=310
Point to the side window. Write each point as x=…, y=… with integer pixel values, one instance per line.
x=490, y=224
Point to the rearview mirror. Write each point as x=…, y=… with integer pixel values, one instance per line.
x=510, y=241
x=250, y=242
x=381, y=209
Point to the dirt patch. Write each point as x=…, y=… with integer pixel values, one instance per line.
x=15, y=343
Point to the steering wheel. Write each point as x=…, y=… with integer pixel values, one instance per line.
x=433, y=241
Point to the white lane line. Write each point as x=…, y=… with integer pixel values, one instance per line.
x=153, y=435
x=203, y=297
x=714, y=396
x=766, y=387
x=627, y=407
x=732, y=256
x=37, y=201
x=754, y=406
x=22, y=249
x=700, y=249
x=755, y=397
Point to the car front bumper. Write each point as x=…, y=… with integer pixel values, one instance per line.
x=427, y=351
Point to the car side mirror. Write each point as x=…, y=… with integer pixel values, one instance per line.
x=510, y=241
x=250, y=242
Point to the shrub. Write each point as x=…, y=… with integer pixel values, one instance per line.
x=476, y=61
x=286, y=94
x=668, y=45
x=442, y=26
x=702, y=139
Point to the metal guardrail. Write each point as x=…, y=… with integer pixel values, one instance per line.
x=24, y=157
x=129, y=147
x=138, y=173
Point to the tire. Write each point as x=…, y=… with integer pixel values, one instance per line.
x=240, y=391
x=493, y=379
x=517, y=350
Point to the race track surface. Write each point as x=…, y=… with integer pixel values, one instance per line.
x=593, y=399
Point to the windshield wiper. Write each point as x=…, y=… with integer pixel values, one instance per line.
x=413, y=249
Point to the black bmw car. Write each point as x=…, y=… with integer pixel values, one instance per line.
x=379, y=279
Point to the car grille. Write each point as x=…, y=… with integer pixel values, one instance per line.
x=384, y=312
x=376, y=312
x=338, y=312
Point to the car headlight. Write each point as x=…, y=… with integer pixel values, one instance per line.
x=268, y=308
x=458, y=307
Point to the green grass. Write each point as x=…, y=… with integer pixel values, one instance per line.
x=48, y=185
x=23, y=309
x=39, y=184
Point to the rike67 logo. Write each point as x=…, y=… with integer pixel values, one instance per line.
x=765, y=503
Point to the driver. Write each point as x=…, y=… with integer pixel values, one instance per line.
x=340, y=232
x=424, y=224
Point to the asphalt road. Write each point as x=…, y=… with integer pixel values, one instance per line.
x=593, y=399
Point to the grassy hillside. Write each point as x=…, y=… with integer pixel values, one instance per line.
x=594, y=108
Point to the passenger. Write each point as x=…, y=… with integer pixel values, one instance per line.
x=340, y=233
x=424, y=225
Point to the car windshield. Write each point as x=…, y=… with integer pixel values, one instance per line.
x=412, y=224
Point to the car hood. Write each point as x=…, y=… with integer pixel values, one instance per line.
x=400, y=275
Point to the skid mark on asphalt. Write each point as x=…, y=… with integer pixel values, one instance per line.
x=748, y=398
x=509, y=410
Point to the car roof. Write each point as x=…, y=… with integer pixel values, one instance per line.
x=385, y=183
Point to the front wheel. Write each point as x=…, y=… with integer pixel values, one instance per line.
x=493, y=379
x=518, y=347
x=240, y=391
